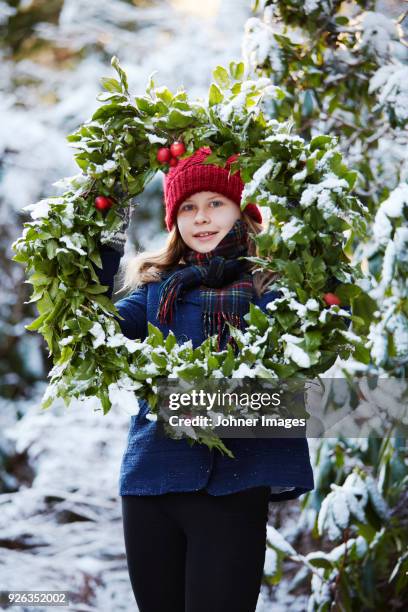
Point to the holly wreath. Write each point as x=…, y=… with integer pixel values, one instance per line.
x=312, y=220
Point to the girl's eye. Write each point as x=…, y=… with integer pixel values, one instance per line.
x=216, y=202
x=185, y=207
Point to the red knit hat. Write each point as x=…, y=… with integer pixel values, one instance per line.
x=191, y=176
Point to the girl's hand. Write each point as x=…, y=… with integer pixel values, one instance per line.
x=118, y=239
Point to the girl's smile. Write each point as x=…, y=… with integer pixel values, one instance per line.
x=206, y=236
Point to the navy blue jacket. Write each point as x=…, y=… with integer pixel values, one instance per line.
x=154, y=464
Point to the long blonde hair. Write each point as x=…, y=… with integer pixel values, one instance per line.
x=148, y=266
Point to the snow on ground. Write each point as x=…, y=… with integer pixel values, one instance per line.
x=65, y=531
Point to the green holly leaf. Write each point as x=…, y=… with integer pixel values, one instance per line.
x=164, y=94
x=155, y=335
x=122, y=74
x=111, y=84
x=237, y=70
x=320, y=142
x=258, y=318
x=221, y=77
x=229, y=362
x=178, y=119
x=215, y=96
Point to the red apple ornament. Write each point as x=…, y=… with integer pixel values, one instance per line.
x=177, y=149
x=173, y=162
x=103, y=203
x=331, y=299
x=163, y=155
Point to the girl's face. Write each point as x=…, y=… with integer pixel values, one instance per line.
x=206, y=211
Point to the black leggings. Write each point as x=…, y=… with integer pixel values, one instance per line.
x=196, y=552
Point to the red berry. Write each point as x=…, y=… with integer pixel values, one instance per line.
x=177, y=149
x=103, y=203
x=331, y=299
x=173, y=162
x=163, y=155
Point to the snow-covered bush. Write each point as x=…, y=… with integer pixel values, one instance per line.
x=343, y=69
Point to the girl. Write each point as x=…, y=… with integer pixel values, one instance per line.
x=195, y=520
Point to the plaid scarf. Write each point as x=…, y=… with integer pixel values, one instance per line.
x=225, y=283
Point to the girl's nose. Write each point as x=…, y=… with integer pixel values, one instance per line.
x=201, y=216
